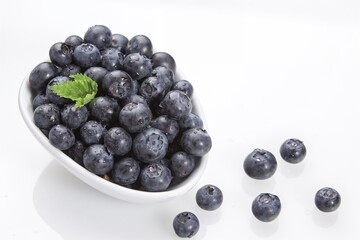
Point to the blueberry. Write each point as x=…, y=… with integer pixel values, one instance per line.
x=176, y=104
x=327, y=199
x=150, y=145
x=153, y=89
x=163, y=59
x=46, y=116
x=196, y=141
x=155, y=177
x=99, y=35
x=104, y=109
x=186, y=224
x=140, y=44
x=119, y=41
x=53, y=97
x=86, y=55
x=266, y=207
x=73, y=41
x=111, y=59
x=168, y=126
x=118, y=141
x=92, y=132
x=164, y=75
x=41, y=75
x=190, y=120
x=61, y=137
x=182, y=164
x=60, y=54
x=135, y=117
x=70, y=69
x=184, y=86
x=39, y=99
x=293, y=150
x=125, y=171
x=260, y=164
x=74, y=117
x=135, y=99
x=97, y=74
x=76, y=152
x=118, y=84
x=98, y=160
x=209, y=197
x=137, y=65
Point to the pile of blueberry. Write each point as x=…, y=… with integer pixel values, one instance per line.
x=140, y=131
x=261, y=164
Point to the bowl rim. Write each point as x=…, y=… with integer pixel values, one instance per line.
x=100, y=184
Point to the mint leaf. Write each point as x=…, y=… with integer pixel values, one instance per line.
x=82, y=90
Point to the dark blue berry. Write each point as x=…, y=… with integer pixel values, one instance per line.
x=293, y=150
x=327, y=199
x=176, y=104
x=97, y=74
x=266, y=207
x=76, y=152
x=53, y=97
x=209, y=197
x=135, y=117
x=260, y=164
x=61, y=137
x=111, y=59
x=137, y=65
x=118, y=84
x=92, y=132
x=165, y=75
x=41, y=75
x=86, y=55
x=98, y=160
x=196, y=141
x=153, y=89
x=39, y=99
x=118, y=141
x=46, y=116
x=99, y=35
x=150, y=145
x=184, y=86
x=60, y=54
x=190, y=121
x=119, y=41
x=74, y=117
x=182, y=164
x=155, y=177
x=167, y=125
x=73, y=41
x=140, y=44
x=186, y=224
x=104, y=109
x=135, y=99
x=70, y=69
x=163, y=59
x=125, y=171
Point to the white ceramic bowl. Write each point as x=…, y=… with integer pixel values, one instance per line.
x=109, y=188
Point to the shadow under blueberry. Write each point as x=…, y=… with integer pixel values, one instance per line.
x=77, y=211
x=264, y=229
x=324, y=219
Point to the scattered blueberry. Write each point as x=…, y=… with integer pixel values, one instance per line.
x=125, y=171
x=327, y=199
x=61, y=137
x=260, y=164
x=155, y=177
x=98, y=160
x=196, y=141
x=266, y=207
x=186, y=224
x=209, y=197
x=293, y=150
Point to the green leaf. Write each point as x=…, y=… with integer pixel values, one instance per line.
x=82, y=89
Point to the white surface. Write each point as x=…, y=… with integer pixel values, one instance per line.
x=263, y=70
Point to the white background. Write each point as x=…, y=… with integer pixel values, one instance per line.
x=264, y=71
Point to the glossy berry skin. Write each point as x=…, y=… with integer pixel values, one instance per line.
x=61, y=137
x=190, y=120
x=135, y=117
x=135, y=99
x=293, y=150
x=99, y=35
x=168, y=126
x=176, y=104
x=327, y=199
x=118, y=84
x=46, y=116
x=125, y=171
x=163, y=59
x=118, y=141
x=260, y=164
x=86, y=55
x=140, y=44
x=76, y=152
x=39, y=99
x=182, y=164
x=73, y=117
x=41, y=75
x=104, y=109
x=119, y=42
x=155, y=177
x=92, y=132
x=53, y=97
x=137, y=65
x=164, y=75
x=97, y=74
x=266, y=207
x=209, y=197
x=184, y=86
x=70, y=69
x=60, y=54
x=150, y=145
x=186, y=224
x=152, y=89
x=196, y=141
x=98, y=160
x=73, y=41
x=111, y=59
